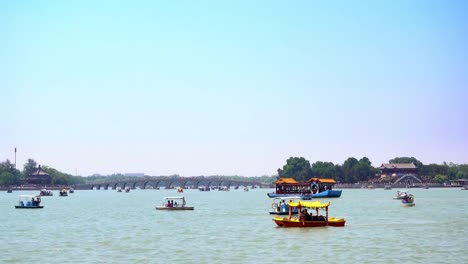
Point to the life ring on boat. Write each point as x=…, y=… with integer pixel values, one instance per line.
x=274, y=206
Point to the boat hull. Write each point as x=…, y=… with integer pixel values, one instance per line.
x=28, y=207
x=408, y=204
x=324, y=194
x=285, y=222
x=174, y=208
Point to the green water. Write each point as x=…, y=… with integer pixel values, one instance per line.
x=232, y=227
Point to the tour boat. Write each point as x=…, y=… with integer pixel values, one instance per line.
x=407, y=200
x=280, y=205
x=174, y=204
x=303, y=219
x=29, y=202
x=313, y=188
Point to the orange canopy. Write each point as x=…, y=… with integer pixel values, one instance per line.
x=285, y=180
x=322, y=180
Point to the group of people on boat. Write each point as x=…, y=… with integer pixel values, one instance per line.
x=33, y=203
x=305, y=216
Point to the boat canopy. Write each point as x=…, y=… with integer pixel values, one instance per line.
x=309, y=204
x=322, y=180
x=286, y=180
x=174, y=198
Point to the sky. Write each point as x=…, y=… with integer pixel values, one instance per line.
x=231, y=87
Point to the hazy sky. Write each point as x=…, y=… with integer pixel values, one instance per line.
x=231, y=87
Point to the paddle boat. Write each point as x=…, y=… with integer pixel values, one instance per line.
x=72, y=190
x=280, y=205
x=127, y=189
x=180, y=190
x=45, y=192
x=174, y=204
x=408, y=200
x=9, y=190
x=29, y=202
x=400, y=194
x=63, y=192
x=204, y=189
x=387, y=187
x=304, y=219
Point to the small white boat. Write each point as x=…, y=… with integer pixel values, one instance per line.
x=29, y=202
x=246, y=189
x=174, y=204
x=400, y=194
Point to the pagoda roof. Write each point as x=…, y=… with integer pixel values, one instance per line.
x=397, y=166
x=286, y=180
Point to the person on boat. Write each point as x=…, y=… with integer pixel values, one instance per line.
x=302, y=215
x=33, y=202
x=307, y=216
x=175, y=204
x=38, y=201
x=168, y=203
x=278, y=207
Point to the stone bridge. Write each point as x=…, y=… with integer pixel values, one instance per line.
x=169, y=182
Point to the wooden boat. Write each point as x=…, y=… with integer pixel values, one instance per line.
x=174, y=204
x=313, y=188
x=303, y=219
x=29, y=202
x=408, y=200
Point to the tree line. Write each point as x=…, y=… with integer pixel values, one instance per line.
x=9, y=175
x=353, y=170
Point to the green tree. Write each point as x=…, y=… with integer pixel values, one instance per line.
x=297, y=168
x=440, y=178
x=29, y=167
x=323, y=169
x=10, y=175
x=350, y=170
x=7, y=178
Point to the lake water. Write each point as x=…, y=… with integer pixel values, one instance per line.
x=232, y=227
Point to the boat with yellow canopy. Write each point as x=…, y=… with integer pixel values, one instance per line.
x=304, y=219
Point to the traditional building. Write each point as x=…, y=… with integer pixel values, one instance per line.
x=39, y=177
x=397, y=169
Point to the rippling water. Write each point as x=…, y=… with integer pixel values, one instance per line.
x=232, y=227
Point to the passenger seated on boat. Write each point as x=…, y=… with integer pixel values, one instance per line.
x=21, y=203
x=307, y=216
x=168, y=204
x=175, y=204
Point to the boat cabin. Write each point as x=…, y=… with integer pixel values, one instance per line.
x=291, y=186
x=319, y=185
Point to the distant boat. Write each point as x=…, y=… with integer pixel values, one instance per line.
x=465, y=187
x=63, y=192
x=408, y=200
x=387, y=187
x=246, y=189
x=304, y=219
x=400, y=194
x=45, y=192
x=29, y=202
x=9, y=190
x=174, y=204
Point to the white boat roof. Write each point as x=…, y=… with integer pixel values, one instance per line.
x=174, y=197
x=288, y=198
